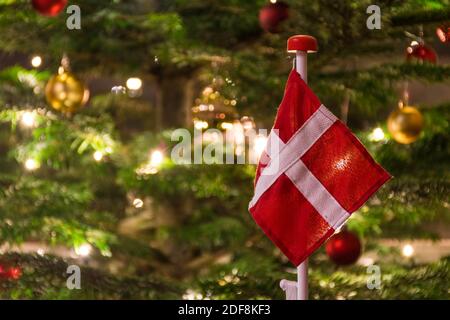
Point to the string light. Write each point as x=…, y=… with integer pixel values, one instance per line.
x=134, y=83
x=146, y=169
x=259, y=145
x=207, y=91
x=36, y=61
x=377, y=135
x=247, y=123
x=191, y=294
x=226, y=125
x=198, y=124
x=203, y=107
x=238, y=132
x=138, y=203
x=118, y=90
x=98, y=156
x=408, y=251
x=28, y=119
x=31, y=164
x=83, y=250
x=156, y=158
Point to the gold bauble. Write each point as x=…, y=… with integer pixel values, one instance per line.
x=405, y=124
x=65, y=93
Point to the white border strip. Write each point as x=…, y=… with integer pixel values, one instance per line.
x=300, y=142
x=317, y=195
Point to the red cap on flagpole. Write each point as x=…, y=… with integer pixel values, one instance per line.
x=302, y=43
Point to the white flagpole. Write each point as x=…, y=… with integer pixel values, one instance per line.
x=302, y=270
x=301, y=45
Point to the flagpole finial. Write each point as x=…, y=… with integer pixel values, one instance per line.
x=302, y=43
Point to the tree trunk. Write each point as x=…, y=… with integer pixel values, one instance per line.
x=174, y=100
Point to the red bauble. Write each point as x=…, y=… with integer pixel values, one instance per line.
x=421, y=53
x=14, y=273
x=10, y=273
x=49, y=7
x=272, y=14
x=343, y=248
x=443, y=32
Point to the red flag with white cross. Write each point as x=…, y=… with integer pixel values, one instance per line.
x=313, y=174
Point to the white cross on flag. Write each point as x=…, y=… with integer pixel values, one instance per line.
x=312, y=175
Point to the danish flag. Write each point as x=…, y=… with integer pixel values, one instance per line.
x=313, y=174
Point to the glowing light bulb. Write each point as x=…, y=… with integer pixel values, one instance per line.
x=377, y=135
x=138, y=203
x=408, y=250
x=200, y=124
x=273, y=1
x=36, y=61
x=98, y=156
x=83, y=250
x=203, y=107
x=207, y=91
x=259, y=145
x=247, y=123
x=226, y=125
x=191, y=294
x=238, y=132
x=134, y=83
x=31, y=164
x=118, y=90
x=28, y=119
x=156, y=158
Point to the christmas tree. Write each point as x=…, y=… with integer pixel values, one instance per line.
x=89, y=99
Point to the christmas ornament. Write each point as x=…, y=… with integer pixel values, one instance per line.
x=343, y=248
x=420, y=52
x=443, y=32
x=272, y=14
x=10, y=273
x=405, y=124
x=64, y=92
x=14, y=273
x=49, y=7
